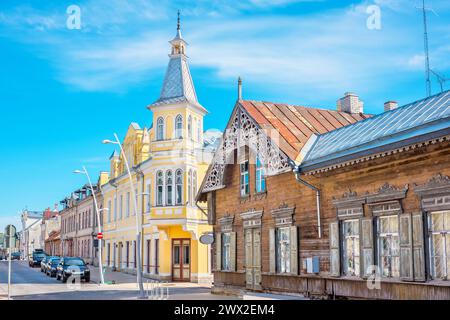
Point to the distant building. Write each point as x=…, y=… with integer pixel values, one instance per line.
x=50, y=223
x=79, y=226
x=31, y=232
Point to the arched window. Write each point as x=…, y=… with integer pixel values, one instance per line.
x=190, y=127
x=199, y=130
x=179, y=187
x=179, y=127
x=169, y=188
x=194, y=186
x=160, y=129
x=190, y=187
x=159, y=188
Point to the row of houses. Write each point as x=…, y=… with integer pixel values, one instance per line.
x=320, y=202
x=333, y=203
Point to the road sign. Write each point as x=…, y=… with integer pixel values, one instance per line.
x=100, y=235
x=10, y=236
x=207, y=238
x=10, y=230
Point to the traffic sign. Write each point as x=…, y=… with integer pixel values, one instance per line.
x=207, y=238
x=10, y=236
x=100, y=235
x=10, y=230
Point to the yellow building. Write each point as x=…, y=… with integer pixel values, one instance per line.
x=167, y=169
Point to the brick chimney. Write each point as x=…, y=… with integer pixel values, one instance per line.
x=350, y=103
x=390, y=105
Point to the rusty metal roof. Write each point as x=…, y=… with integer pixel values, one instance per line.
x=296, y=124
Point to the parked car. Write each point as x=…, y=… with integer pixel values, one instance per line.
x=51, y=265
x=36, y=258
x=45, y=261
x=15, y=256
x=72, y=266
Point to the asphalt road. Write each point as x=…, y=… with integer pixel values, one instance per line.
x=31, y=284
x=21, y=273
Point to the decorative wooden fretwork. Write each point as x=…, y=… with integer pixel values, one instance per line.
x=252, y=219
x=387, y=200
x=350, y=204
x=226, y=223
x=283, y=215
x=435, y=194
x=244, y=131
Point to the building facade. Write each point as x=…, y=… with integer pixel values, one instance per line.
x=166, y=171
x=79, y=226
x=53, y=243
x=51, y=222
x=31, y=237
x=360, y=211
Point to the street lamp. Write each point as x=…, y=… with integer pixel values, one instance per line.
x=138, y=232
x=100, y=265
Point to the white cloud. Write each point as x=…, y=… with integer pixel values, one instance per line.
x=329, y=50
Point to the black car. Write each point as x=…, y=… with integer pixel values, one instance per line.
x=44, y=263
x=72, y=266
x=36, y=258
x=51, y=265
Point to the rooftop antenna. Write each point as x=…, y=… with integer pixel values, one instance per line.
x=440, y=78
x=425, y=42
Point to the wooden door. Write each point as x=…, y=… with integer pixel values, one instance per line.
x=253, y=258
x=181, y=260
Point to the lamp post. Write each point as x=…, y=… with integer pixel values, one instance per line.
x=138, y=231
x=100, y=264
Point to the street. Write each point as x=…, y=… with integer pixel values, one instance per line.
x=31, y=284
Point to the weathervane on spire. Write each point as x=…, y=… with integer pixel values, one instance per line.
x=178, y=24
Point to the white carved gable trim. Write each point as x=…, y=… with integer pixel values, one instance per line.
x=241, y=131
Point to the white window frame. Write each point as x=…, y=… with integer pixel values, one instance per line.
x=260, y=177
x=283, y=250
x=159, y=196
x=179, y=185
x=226, y=251
x=128, y=204
x=179, y=127
x=160, y=129
x=169, y=188
x=352, y=240
x=444, y=233
x=190, y=187
x=244, y=182
x=189, y=127
x=391, y=234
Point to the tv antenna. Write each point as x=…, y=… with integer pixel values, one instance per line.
x=425, y=44
x=440, y=78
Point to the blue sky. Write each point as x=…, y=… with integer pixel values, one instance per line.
x=63, y=91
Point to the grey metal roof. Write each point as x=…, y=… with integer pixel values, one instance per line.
x=178, y=85
x=416, y=118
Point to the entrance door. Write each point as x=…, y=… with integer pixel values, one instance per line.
x=253, y=258
x=181, y=259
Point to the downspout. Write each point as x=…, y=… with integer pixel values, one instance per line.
x=300, y=180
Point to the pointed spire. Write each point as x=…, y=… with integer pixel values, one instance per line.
x=178, y=35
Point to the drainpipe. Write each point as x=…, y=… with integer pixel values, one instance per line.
x=296, y=171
